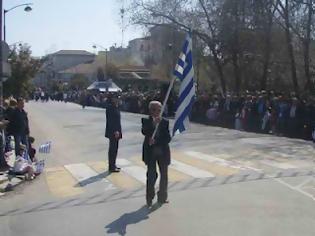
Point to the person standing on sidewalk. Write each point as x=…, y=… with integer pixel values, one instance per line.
x=156, y=150
x=20, y=126
x=113, y=131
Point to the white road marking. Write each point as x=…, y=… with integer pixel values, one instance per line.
x=212, y=159
x=279, y=165
x=295, y=189
x=137, y=172
x=123, y=162
x=310, y=179
x=190, y=170
x=82, y=172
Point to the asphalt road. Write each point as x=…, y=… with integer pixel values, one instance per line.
x=222, y=182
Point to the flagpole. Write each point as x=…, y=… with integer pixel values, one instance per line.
x=164, y=104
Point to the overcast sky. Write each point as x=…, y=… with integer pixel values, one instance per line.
x=66, y=24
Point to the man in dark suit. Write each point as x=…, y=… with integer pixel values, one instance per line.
x=20, y=127
x=156, y=150
x=113, y=131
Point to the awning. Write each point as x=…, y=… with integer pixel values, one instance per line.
x=105, y=86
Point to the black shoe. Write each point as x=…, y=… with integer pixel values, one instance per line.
x=114, y=170
x=163, y=202
x=118, y=168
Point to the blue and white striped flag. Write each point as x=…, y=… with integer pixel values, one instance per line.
x=184, y=71
x=26, y=156
x=45, y=148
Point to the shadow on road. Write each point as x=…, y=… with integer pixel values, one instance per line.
x=120, y=225
x=93, y=179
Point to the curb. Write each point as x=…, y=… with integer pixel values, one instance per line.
x=9, y=185
x=3, y=178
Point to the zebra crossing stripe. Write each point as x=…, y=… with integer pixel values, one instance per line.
x=212, y=159
x=137, y=172
x=123, y=162
x=61, y=183
x=279, y=165
x=121, y=180
x=82, y=172
x=212, y=167
x=173, y=175
x=190, y=170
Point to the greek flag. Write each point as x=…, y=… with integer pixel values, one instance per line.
x=26, y=156
x=45, y=148
x=184, y=71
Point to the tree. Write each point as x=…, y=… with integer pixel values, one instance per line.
x=24, y=67
x=100, y=75
x=285, y=8
x=200, y=17
x=79, y=82
x=263, y=20
x=250, y=44
x=304, y=26
x=112, y=71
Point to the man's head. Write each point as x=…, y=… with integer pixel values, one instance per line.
x=20, y=103
x=31, y=139
x=113, y=99
x=155, y=108
x=22, y=149
x=12, y=102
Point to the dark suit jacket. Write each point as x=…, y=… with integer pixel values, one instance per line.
x=113, y=123
x=9, y=114
x=162, y=139
x=19, y=122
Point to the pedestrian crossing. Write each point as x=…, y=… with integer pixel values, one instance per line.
x=74, y=179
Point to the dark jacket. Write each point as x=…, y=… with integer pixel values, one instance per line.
x=113, y=123
x=19, y=122
x=9, y=115
x=162, y=139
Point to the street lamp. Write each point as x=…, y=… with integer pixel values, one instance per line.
x=95, y=46
x=27, y=9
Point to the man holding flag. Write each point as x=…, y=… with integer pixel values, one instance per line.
x=156, y=150
x=156, y=129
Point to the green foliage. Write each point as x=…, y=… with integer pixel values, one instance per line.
x=79, y=82
x=112, y=71
x=24, y=67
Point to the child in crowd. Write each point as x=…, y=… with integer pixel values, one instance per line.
x=238, y=120
x=22, y=165
x=31, y=149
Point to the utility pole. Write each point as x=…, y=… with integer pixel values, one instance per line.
x=2, y=161
x=1, y=62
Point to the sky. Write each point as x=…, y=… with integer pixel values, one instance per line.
x=53, y=25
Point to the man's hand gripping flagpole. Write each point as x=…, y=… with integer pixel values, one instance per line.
x=164, y=105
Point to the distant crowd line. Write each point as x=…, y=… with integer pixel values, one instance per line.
x=260, y=112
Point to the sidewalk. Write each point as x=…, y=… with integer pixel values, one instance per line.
x=9, y=182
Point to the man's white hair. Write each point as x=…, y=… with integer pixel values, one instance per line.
x=154, y=103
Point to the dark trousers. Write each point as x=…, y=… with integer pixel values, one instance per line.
x=112, y=153
x=20, y=139
x=152, y=177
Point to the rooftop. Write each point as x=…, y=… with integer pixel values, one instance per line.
x=73, y=52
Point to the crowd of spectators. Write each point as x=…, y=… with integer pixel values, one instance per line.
x=260, y=112
x=17, y=152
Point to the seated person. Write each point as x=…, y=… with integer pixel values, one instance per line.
x=23, y=166
x=31, y=150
